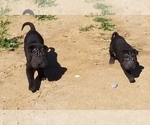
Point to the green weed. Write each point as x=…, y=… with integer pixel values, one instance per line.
x=45, y=17
x=86, y=28
x=5, y=41
x=4, y=10
x=9, y=44
x=105, y=23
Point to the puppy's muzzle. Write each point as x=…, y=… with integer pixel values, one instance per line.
x=39, y=58
x=129, y=63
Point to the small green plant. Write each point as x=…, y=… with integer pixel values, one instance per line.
x=5, y=41
x=43, y=3
x=4, y=10
x=86, y=28
x=9, y=44
x=104, y=9
x=105, y=23
x=45, y=17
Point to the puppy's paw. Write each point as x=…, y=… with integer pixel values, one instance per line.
x=32, y=89
x=132, y=80
x=111, y=61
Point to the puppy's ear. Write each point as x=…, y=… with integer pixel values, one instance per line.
x=135, y=51
x=46, y=48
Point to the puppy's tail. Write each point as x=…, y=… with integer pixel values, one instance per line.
x=32, y=27
x=28, y=11
x=114, y=35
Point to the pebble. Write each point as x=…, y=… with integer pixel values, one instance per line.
x=77, y=76
x=114, y=85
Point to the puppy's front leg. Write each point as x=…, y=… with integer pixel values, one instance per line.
x=128, y=74
x=30, y=77
x=112, y=57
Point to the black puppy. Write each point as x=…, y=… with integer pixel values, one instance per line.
x=36, y=55
x=124, y=53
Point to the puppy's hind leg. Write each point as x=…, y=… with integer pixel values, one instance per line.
x=112, y=56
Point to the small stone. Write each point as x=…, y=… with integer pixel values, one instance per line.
x=77, y=76
x=114, y=85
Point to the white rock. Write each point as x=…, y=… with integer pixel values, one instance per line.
x=114, y=85
x=77, y=76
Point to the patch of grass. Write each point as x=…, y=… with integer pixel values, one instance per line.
x=5, y=41
x=43, y=3
x=86, y=28
x=4, y=10
x=105, y=9
x=105, y=24
x=45, y=17
x=9, y=44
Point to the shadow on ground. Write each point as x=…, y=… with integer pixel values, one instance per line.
x=137, y=71
x=53, y=71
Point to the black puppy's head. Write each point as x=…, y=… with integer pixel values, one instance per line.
x=129, y=59
x=38, y=55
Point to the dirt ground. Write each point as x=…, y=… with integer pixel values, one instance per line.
x=77, y=53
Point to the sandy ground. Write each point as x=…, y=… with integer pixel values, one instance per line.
x=77, y=53
x=88, y=99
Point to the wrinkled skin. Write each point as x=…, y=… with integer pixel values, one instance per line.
x=129, y=59
x=39, y=57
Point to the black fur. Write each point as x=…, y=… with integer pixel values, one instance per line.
x=36, y=55
x=124, y=53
